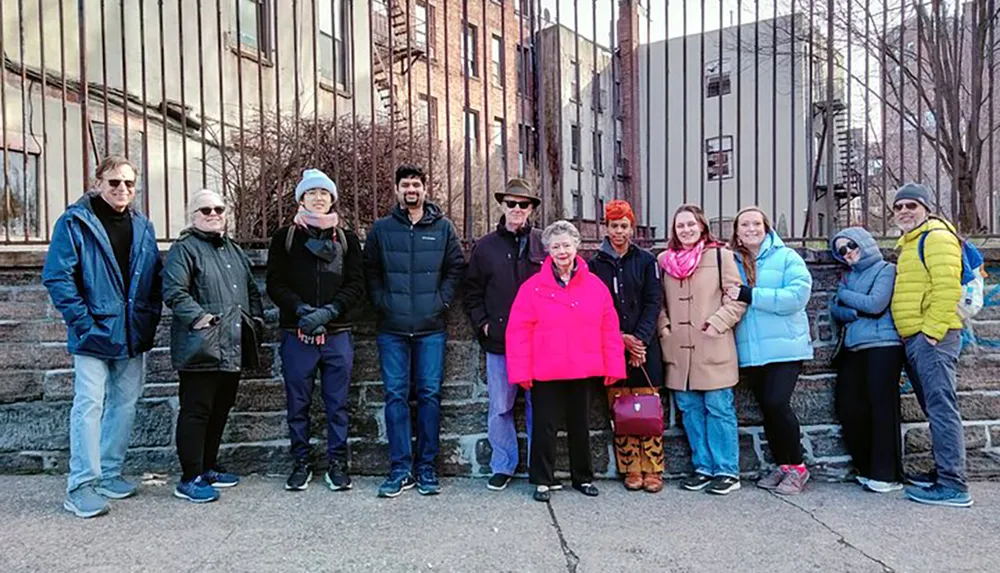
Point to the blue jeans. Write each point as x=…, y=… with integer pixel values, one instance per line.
x=100, y=423
x=500, y=426
x=710, y=425
x=417, y=360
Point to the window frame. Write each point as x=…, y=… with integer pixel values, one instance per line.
x=338, y=80
x=471, y=37
x=264, y=38
x=718, y=83
x=726, y=151
x=497, y=57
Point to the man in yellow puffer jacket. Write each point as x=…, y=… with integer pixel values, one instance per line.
x=924, y=308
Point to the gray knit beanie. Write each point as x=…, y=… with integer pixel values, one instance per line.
x=915, y=192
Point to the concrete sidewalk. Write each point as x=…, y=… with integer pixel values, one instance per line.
x=260, y=527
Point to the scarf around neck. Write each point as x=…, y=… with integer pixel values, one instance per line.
x=681, y=264
x=307, y=218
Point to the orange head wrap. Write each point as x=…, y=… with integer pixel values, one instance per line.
x=619, y=209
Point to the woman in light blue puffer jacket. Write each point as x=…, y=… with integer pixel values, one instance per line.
x=773, y=338
x=869, y=362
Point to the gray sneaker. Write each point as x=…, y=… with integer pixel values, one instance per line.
x=771, y=480
x=115, y=488
x=793, y=484
x=85, y=502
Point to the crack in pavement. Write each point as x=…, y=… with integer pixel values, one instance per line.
x=840, y=537
x=572, y=559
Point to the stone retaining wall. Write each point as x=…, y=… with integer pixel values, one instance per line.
x=36, y=394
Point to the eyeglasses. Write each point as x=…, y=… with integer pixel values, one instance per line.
x=115, y=183
x=846, y=248
x=206, y=211
x=908, y=205
x=510, y=203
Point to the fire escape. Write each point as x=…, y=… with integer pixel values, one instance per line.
x=397, y=46
x=837, y=189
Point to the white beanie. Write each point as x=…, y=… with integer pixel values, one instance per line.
x=314, y=179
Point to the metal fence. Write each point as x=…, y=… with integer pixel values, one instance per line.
x=814, y=110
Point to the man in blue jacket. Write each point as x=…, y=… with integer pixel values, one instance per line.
x=413, y=265
x=102, y=272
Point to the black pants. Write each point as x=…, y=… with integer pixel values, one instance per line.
x=206, y=398
x=772, y=385
x=867, y=399
x=551, y=401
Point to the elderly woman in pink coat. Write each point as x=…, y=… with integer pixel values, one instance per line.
x=563, y=334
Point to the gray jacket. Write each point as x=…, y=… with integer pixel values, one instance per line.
x=209, y=273
x=865, y=293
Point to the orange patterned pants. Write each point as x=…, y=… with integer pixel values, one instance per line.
x=635, y=454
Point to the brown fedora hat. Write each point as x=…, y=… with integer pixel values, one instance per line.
x=519, y=188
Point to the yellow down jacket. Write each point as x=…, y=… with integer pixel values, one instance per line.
x=927, y=292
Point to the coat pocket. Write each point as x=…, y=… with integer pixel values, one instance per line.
x=717, y=348
x=203, y=347
x=107, y=335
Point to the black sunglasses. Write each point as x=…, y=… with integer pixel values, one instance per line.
x=908, y=205
x=206, y=211
x=115, y=183
x=844, y=249
x=512, y=203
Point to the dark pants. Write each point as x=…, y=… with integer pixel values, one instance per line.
x=206, y=398
x=931, y=370
x=299, y=362
x=418, y=360
x=867, y=400
x=550, y=402
x=772, y=385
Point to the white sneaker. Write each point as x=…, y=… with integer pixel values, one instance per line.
x=882, y=486
x=861, y=480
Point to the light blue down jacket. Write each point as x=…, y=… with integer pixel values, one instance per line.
x=862, y=300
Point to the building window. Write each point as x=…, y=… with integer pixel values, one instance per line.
x=499, y=137
x=524, y=70
x=472, y=129
x=425, y=28
x=600, y=94
x=598, y=153
x=821, y=224
x=498, y=67
x=254, y=32
x=719, y=158
x=19, y=207
x=470, y=51
x=522, y=148
x=577, y=204
x=427, y=112
x=575, y=142
x=574, y=86
x=334, y=22
x=619, y=164
x=717, y=81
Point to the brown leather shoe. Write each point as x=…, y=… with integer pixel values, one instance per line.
x=633, y=481
x=652, y=483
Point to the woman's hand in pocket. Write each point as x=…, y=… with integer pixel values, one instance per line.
x=205, y=321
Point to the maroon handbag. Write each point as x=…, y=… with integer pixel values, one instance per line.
x=638, y=415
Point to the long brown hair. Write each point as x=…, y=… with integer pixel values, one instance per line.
x=674, y=244
x=749, y=259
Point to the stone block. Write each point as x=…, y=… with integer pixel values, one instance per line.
x=167, y=390
x=825, y=277
x=821, y=362
x=812, y=402
x=161, y=460
x=255, y=427
x=461, y=361
x=34, y=426
x=975, y=406
x=918, y=440
x=10, y=310
x=979, y=372
x=21, y=463
x=32, y=331
x=369, y=457
x=154, y=422
x=982, y=465
x=20, y=386
x=366, y=363
x=826, y=444
x=32, y=356
x=462, y=418
x=260, y=395
x=58, y=385
x=261, y=458
x=158, y=367
x=995, y=436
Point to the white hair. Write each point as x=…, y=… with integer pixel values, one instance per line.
x=560, y=228
x=203, y=198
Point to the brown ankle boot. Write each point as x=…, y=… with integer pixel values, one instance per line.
x=652, y=483
x=633, y=481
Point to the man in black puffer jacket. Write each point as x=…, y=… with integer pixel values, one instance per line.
x=413, y=266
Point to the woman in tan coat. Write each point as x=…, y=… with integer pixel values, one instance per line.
x=699, y=347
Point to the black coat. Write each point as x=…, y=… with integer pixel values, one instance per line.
x=209, y=274
x=634, y=282
x=295, y=276
x=500, y=263
x=413, y=270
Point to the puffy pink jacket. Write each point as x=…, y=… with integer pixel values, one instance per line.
x=557, y=333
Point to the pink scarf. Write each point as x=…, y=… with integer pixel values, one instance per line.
x=305, y=217
x=681, y=264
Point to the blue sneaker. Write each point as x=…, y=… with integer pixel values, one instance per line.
x=84, y=501
x=939, y=494
x=196, y=490
x=427, y=482
x=395, y=485
x=220, y=478
x=115, y=488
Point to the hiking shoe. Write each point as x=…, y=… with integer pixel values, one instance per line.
x=498, y=482
x=877, y=486
x=84, y=501
x=196, y=490
x=395, y=485
x=115, y=488
x=772, y=480
x=697, y=482
x=793, y=483
x=542, y=493
x=723, y=485
x=652, y=483
x=939, y=494
x=633, y=481
x=220, y=478
x=587, y=489
x=427, y=482
x=300, y=478
x=337, y=478
x=923, y=479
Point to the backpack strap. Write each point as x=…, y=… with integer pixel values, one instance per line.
x=718, y=261
x=923, y=239
x=289, y=236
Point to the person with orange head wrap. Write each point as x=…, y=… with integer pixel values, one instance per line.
x=631, y=275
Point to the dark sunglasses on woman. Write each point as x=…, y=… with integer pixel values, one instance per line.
x=206, y=211
x=848, y=247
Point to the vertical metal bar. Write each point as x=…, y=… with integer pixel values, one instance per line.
x=345, y=16
x=104, y=76
x=595, y=98
x=649, y=97
x=667, y=187
x=722, y=51
x=467, y=184
x=65, y=114
x=409, y=77
x=43, y=161
x=701, y=108
x=756, y=104
x=145, y=108
x=812, y=201
x=920, y=83
x=867, y=149
x=901, y=91
x=739, y=107
x=503, y=90
x=354, y=117
x=297, y=112
x=201, y=95
x=371, y=135
x=125, y=99
x=774, y=116
x=84, y=88
x=25, y=118
x=955, y=128
x=166, y=120
x=828, y=107
x=241, y=175
x=275, y=48
x=576, y=108
x=992, y=54
x=223, y=150
x=447, y=106
x=429, y=43
x=521, y=92
x=684, y=105
x=184, y=115
x=314, y=26
x=262, y=143
x=792, y=128
x=885, y=122
x=939, y=36
x=391, y=72
x=537, y=52
x=3, y=119
x=487, y=121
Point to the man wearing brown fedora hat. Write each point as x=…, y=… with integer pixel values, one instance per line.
x=500, y=263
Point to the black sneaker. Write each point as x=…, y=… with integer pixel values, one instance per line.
x=498, y=482
x=723, y=485
x=300, y=478
x=337, y=478
x=697, y=482
x=542, y=493
x=587, y=489
x=427, y=482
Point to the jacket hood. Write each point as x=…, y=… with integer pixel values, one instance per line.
x=608, y=250
x=431, y=213
x=870, y=253
x=772, y=242
x=215, y=238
